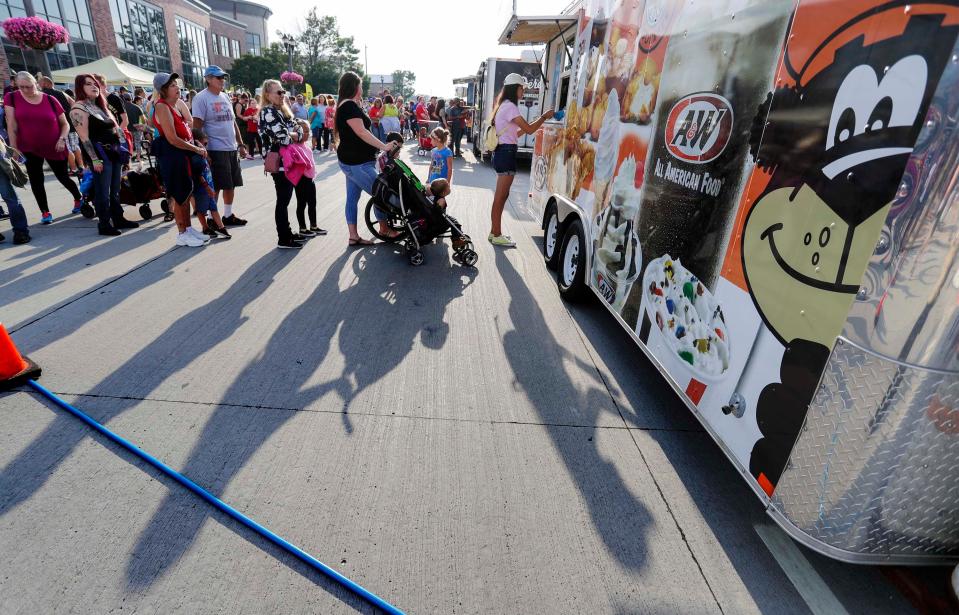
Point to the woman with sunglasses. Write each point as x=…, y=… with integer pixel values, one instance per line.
x=38, y=129
x=100, y=137
x=173, y=147
x=278, y=127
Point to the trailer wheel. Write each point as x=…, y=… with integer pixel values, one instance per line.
x=571, y=277
x=551, y=238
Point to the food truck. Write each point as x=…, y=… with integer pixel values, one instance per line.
x=488, y=83
x=765, y=196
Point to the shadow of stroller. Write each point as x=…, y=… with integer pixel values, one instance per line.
x=374, y=337
x=384, y=285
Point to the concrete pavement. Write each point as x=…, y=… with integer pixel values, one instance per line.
x=456, y=440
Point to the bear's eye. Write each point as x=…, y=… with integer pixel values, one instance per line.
x=846, y=126
x=879, y=118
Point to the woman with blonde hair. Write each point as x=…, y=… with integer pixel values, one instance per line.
x=279, y=128
x=37, y=126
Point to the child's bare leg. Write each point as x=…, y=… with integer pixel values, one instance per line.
x=217, y=221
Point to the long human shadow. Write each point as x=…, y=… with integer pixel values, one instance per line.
x=186, y=339
x=77, y=429
x=537, y=363
x=376, y=331
x=14, y=286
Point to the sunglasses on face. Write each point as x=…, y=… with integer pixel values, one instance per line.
x=220, y=77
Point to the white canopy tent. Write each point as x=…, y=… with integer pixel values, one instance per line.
x=116, y=71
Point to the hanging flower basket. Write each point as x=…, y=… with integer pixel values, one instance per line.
x=290, y=76
x=34, y=33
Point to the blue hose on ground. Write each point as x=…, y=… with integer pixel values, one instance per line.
x=220, y=504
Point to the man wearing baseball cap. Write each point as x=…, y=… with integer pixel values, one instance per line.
x=213, y=111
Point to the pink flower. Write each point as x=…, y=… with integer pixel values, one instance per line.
x=291, y=77
x=35, y=33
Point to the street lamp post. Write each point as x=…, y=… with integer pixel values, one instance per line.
x=290, y=44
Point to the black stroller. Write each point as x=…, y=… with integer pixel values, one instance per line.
x=401, y=198
x=136, y=188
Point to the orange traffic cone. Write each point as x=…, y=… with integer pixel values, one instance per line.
x=15, y=369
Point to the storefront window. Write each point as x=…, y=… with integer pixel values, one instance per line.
x=141, y=35
x=193, y=52
x=253, y=43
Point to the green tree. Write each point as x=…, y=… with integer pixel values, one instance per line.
x=323, y=53
x=249, y=71
x=404, y=83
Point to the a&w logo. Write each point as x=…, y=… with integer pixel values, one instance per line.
x=607, y=291
x=698, y=127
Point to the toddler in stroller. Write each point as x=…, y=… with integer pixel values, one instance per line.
x=416, y=213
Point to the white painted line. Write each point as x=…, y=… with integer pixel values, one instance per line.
x=819, y=598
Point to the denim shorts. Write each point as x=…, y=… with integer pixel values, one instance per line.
x=504, y=159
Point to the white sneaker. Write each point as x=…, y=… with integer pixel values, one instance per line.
x=188, y=239
x=198, y=234
x=504, y=241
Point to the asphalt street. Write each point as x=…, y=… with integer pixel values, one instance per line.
x=457, y=440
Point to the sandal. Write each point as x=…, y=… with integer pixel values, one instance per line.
x=361, y=242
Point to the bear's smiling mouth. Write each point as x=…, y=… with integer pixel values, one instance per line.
x=836, y=287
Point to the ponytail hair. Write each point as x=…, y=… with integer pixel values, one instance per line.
x=349, y=85
x=441, y=134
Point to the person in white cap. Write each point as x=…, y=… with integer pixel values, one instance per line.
x=508, y=123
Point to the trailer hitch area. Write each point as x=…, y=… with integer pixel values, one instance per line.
x=736, y=406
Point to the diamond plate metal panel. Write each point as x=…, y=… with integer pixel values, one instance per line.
x=874, y=474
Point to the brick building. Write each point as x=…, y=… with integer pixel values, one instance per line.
x=169, y=35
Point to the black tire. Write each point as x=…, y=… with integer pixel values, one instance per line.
x=551, y=238
x=87, y=211
x=571, y=272
x=165, y=206
x=145, y=212
x=394, y=222
x=468, y=258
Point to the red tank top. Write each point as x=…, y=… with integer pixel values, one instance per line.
x=182, y=130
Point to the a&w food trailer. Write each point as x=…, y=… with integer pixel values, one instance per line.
x=765, y=194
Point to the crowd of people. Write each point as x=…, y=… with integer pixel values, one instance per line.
x=198, y=139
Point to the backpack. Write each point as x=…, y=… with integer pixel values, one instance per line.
x=11, y=166
x=491, y=137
